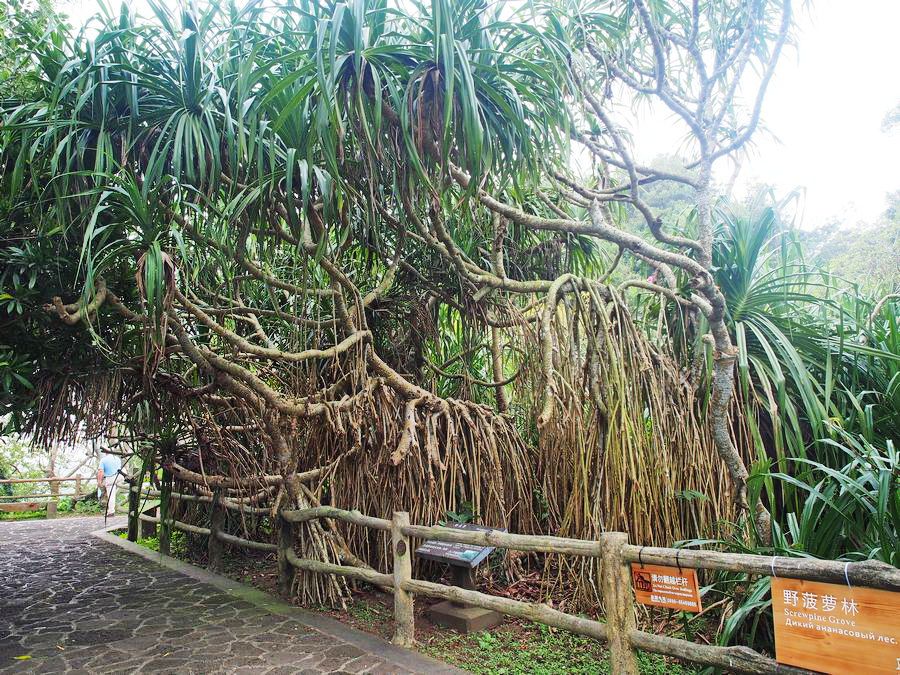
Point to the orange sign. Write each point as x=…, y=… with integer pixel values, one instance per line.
x=666, y=587
x=833, y=628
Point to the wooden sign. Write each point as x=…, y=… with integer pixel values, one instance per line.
x=833, y=628
x=666, y=587
x=462, y=555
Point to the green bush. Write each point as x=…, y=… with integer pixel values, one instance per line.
x=851, y=513
x=87, y=507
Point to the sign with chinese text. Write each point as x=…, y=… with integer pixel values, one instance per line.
x=666, y=587
x=834, y=628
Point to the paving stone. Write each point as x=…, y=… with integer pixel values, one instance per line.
x=75, y=603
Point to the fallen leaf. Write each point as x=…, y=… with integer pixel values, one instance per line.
x=24, y=657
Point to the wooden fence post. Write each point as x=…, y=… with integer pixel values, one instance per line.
x=54, y=499
x=134, y=505
x=165, y=518
x=619, y=603
x=286, y=571
x=215, y=547
x=77, y=486
x=404, y=617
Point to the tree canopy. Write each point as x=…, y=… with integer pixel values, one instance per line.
x=268, y=237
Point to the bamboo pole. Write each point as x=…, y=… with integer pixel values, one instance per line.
x=618, y=602
x=404, y=616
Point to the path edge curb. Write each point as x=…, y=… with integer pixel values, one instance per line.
x=408, y=659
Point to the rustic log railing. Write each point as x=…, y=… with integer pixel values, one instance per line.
x=618, y=631
x=19, y=502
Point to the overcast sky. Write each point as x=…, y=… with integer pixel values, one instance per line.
x=822, y=116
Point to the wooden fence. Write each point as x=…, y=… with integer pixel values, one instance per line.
x=619, y=631
x=26, y=502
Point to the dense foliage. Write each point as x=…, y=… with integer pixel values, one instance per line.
x=261, y=239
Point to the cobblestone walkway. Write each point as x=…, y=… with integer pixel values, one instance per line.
x=70, y=602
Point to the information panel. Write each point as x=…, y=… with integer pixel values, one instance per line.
x=663, y=586
x=461, y=555
x=834, y=628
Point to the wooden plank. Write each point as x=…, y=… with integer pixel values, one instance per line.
x=835, y=628
x=17, y=507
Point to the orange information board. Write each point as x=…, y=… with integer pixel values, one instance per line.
x=666, y=587
x=834, y=628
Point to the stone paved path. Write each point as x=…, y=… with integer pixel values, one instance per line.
x=74, y=603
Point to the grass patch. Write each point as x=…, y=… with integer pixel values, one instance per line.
x=177, y=543
x=519, y=648
x=22, y=515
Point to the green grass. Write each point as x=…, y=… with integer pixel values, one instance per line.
x=177, y=543
x=22, y=515
x=369, y=612
x=520, y=648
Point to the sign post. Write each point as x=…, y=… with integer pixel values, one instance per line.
x=836, y=628
x=463, y=559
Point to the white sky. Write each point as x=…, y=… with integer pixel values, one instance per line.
x=823, y=114
x=822, y=117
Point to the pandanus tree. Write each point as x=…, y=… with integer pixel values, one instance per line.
x=364, y=236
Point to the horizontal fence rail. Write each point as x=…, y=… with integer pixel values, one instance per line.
x=871, y=573
x=52, y=479
x=618, y=631
x=50, y=500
